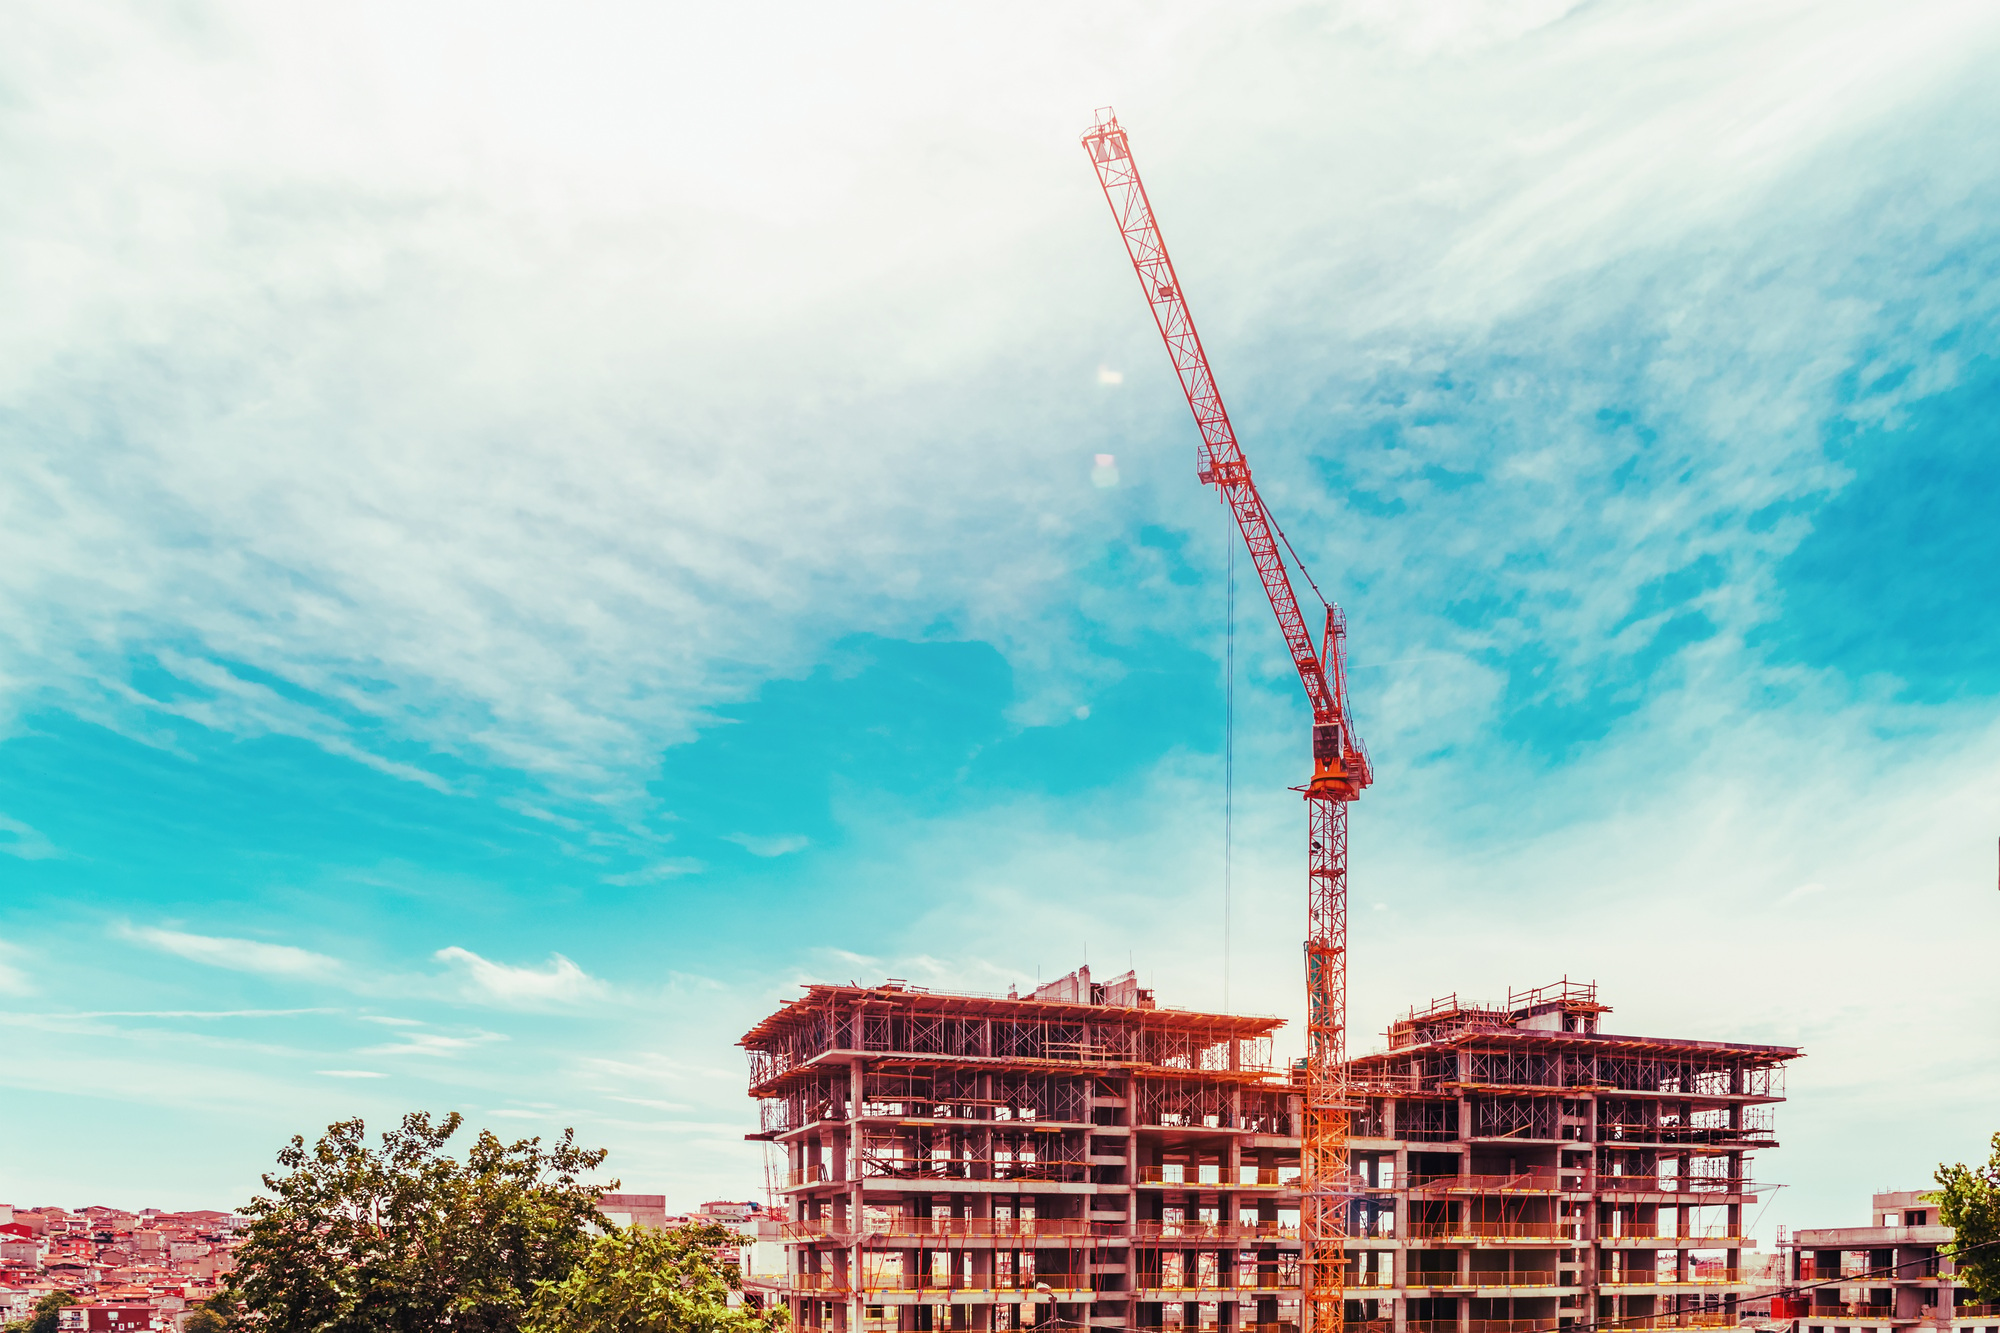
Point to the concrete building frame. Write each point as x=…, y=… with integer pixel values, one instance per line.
x=1080, y=1157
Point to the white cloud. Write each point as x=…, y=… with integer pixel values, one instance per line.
x=651, y=1067
x=776, y=845
x=235, y=706
x=13, y=980
x=201, y=1013
x=18, y=839
x=237, y=955
x=671, y=867
x=551, y=499
x=432, y=1044
x=487, y=513
x=652, y=1103
x=350, y=1073
x=559, y=982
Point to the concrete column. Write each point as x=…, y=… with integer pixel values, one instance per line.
x=856, y=1214
x=1128, y=1088
x=855, y=1084
x=980, y=1246
x=1232, y=1203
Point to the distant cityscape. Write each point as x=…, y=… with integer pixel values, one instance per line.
x=142, y=1272
x=126, y=1270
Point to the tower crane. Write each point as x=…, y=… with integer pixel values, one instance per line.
x=1340, y=763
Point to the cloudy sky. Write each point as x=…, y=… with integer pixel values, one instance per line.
x=527, y=532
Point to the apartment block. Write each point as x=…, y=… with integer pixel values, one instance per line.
x=1888, y=1275
x=1081, y=1156
x=1519, y=1168
x=1076, y=1156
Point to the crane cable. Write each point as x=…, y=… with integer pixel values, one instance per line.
x=1228, y=748
x=1304, y=573
x=1229, y=536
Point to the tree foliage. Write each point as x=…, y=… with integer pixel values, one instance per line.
x=1968, y=1199
x=405, y=1239
x=44, y=1319
x=214, y=1315
x=635, y=1280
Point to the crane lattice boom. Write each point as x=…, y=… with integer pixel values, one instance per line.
x=1340, y=764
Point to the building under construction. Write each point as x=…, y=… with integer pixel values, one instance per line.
x=1896, y=1272
x=1517, y=1168
x=1080, y=1156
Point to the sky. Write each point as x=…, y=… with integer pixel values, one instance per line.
x=530, y=532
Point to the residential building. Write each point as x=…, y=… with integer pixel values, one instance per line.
x=1080, y=1156
x=113, y=1261
x=1518, y=1167
x=634, y=1210
x=108, y=1319
x=1887, y=1275
x=1076, y=1156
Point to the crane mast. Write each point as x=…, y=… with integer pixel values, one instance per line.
x=1340, y=764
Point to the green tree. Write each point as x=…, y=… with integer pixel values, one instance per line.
x=637, y=1280
x=45, y=1318
x=405, y=1239
x=1968, y=1199
x=214, y=1315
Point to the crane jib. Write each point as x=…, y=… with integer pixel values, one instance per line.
x=1112, y=154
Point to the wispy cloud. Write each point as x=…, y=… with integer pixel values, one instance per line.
x=653, y=1104
x=234, y=705
x=13, y=980
x=768, y=846
x=433, y=1043
x=201, y=1013
x=18, y=839
x=672, y=867
x=350, y=1073
x=238, y=955
x=1544, y=356
x=557, y=982
x=651, y=1067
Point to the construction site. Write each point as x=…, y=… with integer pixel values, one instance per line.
x=1084, y=1157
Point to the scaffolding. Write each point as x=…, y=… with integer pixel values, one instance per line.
x=987, y=1163
x=1521, y=1169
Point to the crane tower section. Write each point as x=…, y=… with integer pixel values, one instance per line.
x=1340, y=764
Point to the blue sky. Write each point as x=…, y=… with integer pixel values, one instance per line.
x=528, y=534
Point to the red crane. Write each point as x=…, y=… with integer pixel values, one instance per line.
x=1340, y=763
